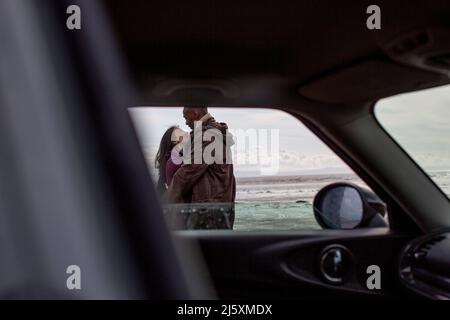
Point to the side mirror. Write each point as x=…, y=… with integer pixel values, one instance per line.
x=348, y=206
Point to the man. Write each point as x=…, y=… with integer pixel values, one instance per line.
x=205, y=177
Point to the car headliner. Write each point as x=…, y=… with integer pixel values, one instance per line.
x=264, y=52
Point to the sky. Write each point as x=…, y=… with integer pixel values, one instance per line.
x=419, y=121
x=299, y=150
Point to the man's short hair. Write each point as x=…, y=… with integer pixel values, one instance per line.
x=200, y=110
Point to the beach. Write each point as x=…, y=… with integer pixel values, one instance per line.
x=285, y=202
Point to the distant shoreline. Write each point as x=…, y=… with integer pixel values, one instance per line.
x=297, y=178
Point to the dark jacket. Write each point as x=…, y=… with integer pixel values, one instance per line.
x=193, y=183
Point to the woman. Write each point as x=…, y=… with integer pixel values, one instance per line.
x=168, y=159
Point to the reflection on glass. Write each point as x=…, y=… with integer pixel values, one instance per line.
x=342, y=208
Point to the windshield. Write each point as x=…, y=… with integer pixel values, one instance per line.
x=420, y=123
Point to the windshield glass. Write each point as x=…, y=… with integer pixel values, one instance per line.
x=420, y=123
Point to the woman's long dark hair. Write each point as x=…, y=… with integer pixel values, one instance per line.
x=165, y=147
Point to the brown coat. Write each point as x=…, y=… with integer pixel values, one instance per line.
x=195, y=183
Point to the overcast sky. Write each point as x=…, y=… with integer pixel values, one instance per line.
x=419, y=121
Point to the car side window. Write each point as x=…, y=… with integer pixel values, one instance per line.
x=244, y=169
x=419, y=123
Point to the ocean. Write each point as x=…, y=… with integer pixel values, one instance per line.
x=285, y=203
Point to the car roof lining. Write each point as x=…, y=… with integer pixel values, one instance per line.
x=272, y=51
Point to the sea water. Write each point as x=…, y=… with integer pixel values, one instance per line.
x=285, y=202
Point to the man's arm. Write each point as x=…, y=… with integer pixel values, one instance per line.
x=184, y=180
x=188, y=174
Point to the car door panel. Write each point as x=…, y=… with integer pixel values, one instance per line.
x=287, y=264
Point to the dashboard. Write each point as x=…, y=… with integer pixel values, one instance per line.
x=425, y=265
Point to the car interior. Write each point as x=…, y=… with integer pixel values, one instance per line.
x=76, y=187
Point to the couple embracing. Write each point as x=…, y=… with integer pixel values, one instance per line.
x=196, y=167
